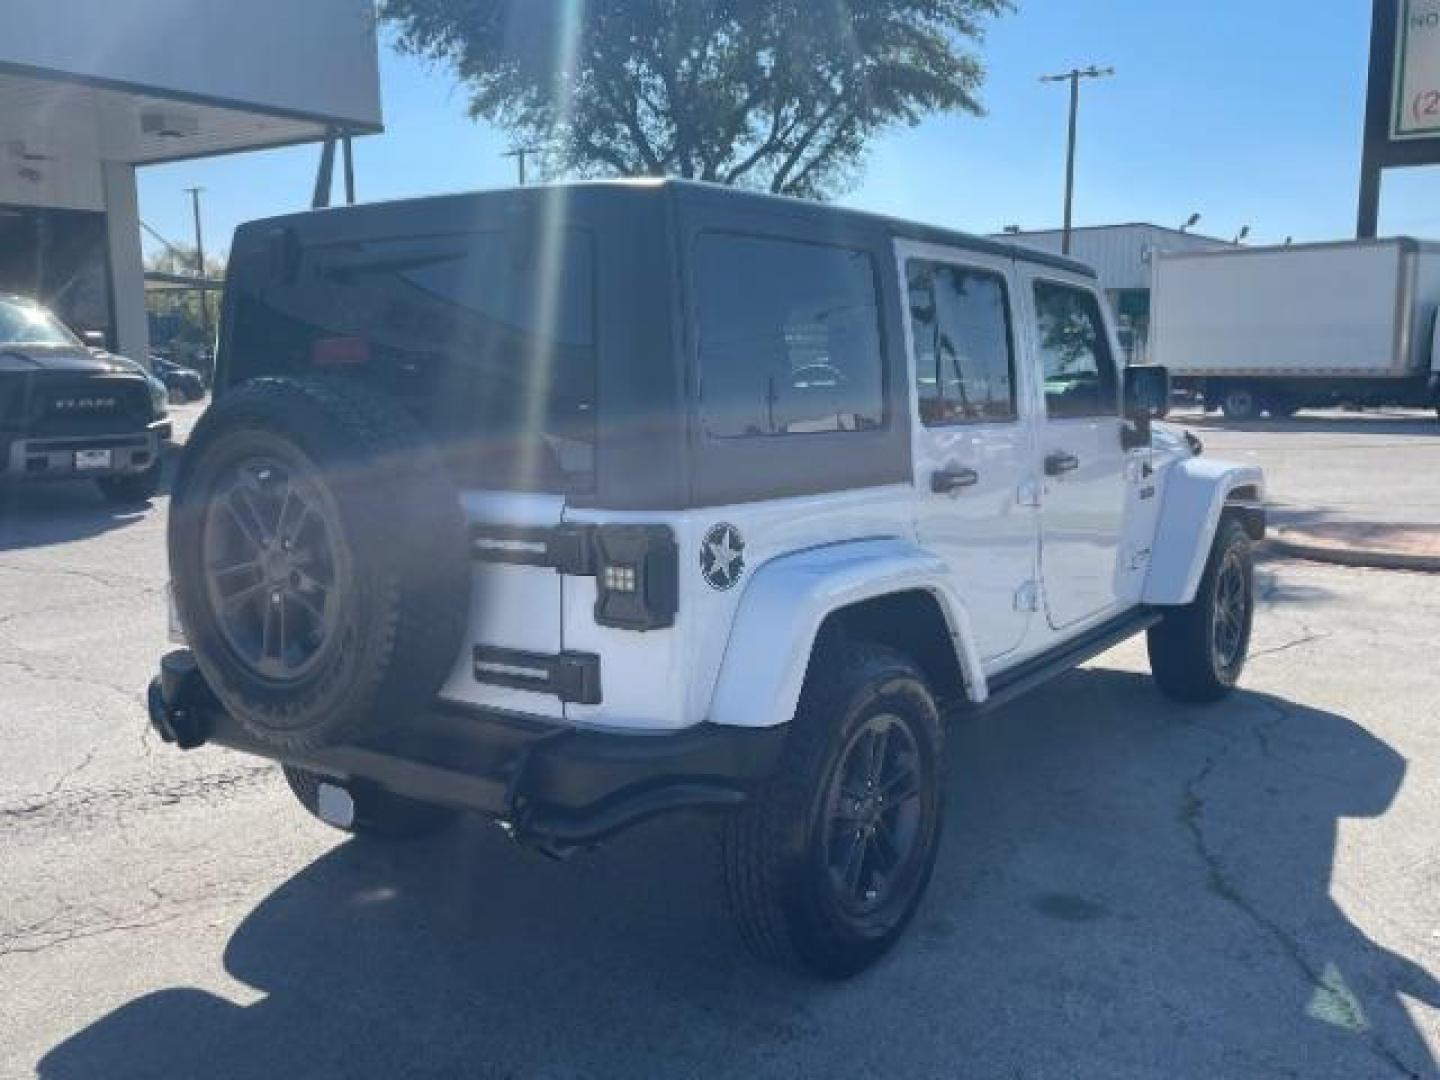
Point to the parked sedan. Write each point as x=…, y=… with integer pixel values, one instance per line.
x=184, y=384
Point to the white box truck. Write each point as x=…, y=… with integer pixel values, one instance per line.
x=1284, y=328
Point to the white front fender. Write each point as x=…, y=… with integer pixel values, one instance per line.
x=1195, y=493
x=788, y=600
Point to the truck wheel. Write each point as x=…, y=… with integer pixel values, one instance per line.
x=319, y=561
x=376, y=812
x=132, y=490
x=1198, y=651
x=826, y=866
x=1240, y=403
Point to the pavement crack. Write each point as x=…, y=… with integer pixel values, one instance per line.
x=63, y=803
x=70, y=774
x=1307, y=638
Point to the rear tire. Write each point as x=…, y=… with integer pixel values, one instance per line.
x=1240, y=403
x=862, y=778
x=1198, y=652
x=133, y=490
x=377, y=812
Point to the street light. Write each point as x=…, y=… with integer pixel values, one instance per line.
x=1073, y=77
x=1243, y=236
x=1191, y=223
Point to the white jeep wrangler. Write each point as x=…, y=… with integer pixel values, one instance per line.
x=573, y=506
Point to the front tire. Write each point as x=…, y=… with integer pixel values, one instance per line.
x=825, y=867
x=1198, y=652
x=377, y=813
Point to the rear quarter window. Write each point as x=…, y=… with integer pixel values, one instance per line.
x=789, y=338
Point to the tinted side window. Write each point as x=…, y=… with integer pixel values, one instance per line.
x=1079, y=371
x=964, y=362
x=789, y=338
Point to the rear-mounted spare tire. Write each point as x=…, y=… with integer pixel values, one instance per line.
x=319, y=559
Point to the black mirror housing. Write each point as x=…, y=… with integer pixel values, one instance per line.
x=1147, y=393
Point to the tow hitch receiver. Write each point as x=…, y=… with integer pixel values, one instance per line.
x=176, y=701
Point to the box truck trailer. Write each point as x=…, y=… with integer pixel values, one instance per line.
x=1252, y=330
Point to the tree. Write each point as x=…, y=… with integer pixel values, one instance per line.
x=783, y=95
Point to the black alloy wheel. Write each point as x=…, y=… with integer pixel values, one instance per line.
x=1231, y=613
x=873, y=817
x=273, y=559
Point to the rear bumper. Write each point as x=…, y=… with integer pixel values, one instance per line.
x=552, y=785
x=55, y=458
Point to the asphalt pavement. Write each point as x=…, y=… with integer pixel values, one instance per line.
x=1127, y=887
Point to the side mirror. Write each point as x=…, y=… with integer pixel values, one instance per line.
x=94, y=339
x=1147, y=392
x=1147, y=398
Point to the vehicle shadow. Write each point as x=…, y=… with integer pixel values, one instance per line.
x=1327, y=423
x=38, y=515
x=1126, y=888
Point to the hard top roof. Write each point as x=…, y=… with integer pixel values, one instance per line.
x=734, y=198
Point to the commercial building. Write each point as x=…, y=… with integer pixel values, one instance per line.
x=1123, y=257
x=91, y=90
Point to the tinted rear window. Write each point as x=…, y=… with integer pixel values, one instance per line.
x=488, y=337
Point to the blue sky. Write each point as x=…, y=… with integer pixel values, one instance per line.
x=1246, y=111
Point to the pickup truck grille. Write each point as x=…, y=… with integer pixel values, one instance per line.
x=50, y=405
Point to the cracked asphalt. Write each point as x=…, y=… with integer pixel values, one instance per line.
x=1127, y=888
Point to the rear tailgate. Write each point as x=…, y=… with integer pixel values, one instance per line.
x=515, y=614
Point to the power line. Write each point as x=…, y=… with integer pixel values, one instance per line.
x=177, y=251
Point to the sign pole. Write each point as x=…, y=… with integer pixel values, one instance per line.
x=1402, y=116
x=1383, y=58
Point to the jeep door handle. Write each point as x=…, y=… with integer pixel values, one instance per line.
x=948, y=481
x=1060, y=463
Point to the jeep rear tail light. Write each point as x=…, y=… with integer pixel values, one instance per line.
x=340, y=352
x=637, y=577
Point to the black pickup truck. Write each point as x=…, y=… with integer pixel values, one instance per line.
x=71, y=412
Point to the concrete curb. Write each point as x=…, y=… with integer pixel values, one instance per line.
x=1356, y=557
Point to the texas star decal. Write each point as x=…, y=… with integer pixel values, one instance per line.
x=722, y=557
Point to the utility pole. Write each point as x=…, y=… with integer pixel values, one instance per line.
x=1073, y=78
x=521, y=154
x=200, y=265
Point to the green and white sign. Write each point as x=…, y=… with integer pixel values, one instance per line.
x=1417, y=72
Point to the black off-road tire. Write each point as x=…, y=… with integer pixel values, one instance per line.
x=377, y=813
x=393, y=523
x=775, y=860
x=134, y=489
x=1185, y=658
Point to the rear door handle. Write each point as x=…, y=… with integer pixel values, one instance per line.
x=948, y=481
x=1060, y=463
